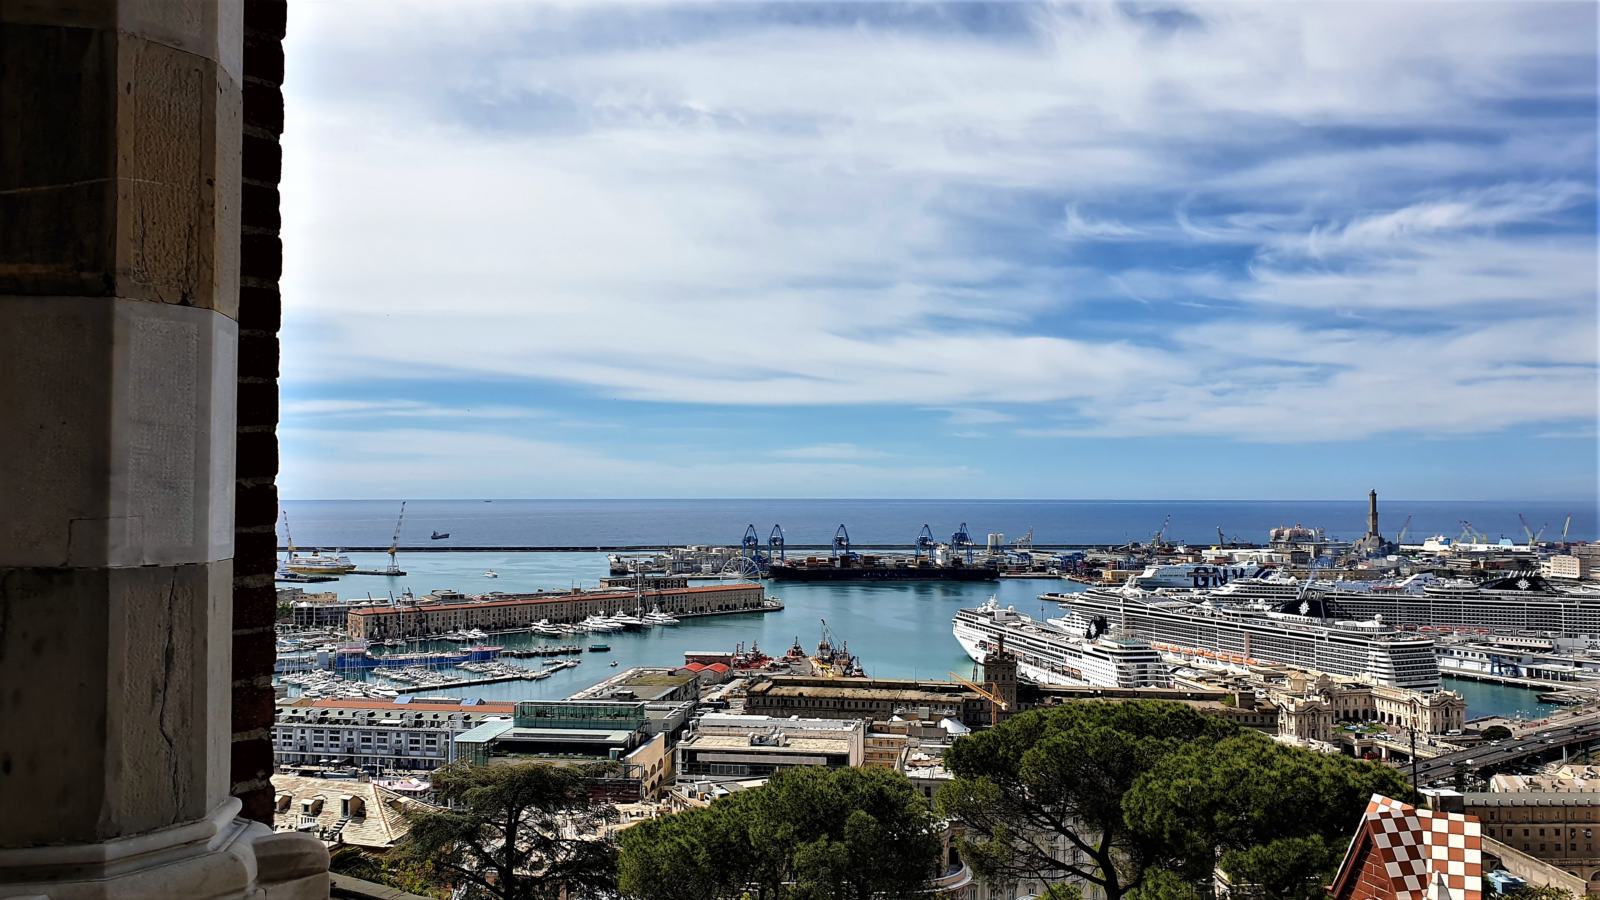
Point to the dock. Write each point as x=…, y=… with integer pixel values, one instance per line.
x=395, y=574
x=465, y=682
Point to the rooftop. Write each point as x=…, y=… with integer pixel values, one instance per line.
x=788, y=745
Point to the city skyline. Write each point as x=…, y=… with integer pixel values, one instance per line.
x=1005, y=250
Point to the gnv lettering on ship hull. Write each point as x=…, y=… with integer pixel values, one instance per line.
x=1217, y=576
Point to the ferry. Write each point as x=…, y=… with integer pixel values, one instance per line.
x=1193, y=575
x=317, y=563
x=1300, y=633
x=1051, y=653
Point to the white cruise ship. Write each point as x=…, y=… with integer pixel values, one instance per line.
x=1049, y=654
x=1515, y=602
x=1297, y=634
x=1196, y=576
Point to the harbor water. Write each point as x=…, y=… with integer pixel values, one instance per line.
x=899, y=630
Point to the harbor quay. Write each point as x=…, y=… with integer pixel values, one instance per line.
x=506, y=612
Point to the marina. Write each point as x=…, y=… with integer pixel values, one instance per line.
x=900, y=630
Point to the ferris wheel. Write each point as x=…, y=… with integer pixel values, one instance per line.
x=740, y=568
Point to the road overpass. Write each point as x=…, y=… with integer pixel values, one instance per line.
x=1553, y=742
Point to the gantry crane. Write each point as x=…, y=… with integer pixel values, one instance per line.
x=288, y=537
x=1565, y=526
x=996, y=703
x=394, y=542
x=1400, y=538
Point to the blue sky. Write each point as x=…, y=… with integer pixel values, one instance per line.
x=1005, y=250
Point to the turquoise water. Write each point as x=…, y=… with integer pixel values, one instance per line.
x=1486, y=699
x=898, y=630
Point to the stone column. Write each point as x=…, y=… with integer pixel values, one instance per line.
x=119, y=248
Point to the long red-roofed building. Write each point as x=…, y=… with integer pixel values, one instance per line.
x=509, y=612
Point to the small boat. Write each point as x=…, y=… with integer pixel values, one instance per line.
x=613, y=664
x=491, y=574
x=440, y=535
x=599, y=648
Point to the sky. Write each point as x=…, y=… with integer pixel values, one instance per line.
x=1276, y=251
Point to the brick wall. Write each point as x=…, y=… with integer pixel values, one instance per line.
x=260, y=312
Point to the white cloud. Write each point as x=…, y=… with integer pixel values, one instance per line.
x=420, y=462
x=831, y=451
x=359, y=409
x=736, y=211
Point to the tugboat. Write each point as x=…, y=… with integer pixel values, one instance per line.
x=835, y=662
x=749, y=659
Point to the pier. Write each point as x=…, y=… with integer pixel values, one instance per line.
x=465, y=682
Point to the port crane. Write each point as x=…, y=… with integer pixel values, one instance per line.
x=925, y=544
x=1403, y=529
x=394, y=542
x=1024, y=543
x=288, y=536
x=775, y=545
x=840, y=548
x=1159, y=538
x=1533, y=537
x=1565, y=526
x=752, y=548
x=996, y=704
x=961, y=540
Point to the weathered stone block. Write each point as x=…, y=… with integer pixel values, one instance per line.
x=212, y=29
x=137, y=655
x=120, y=433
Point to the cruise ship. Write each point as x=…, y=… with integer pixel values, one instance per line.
x=1049, y=653
x=1515, y=602
x=1299, y=633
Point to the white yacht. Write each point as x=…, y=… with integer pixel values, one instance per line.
x=599, y=623
x=544, y=627
x=627, y=622
x=491, y=574
x=656, y=617
x=1048, y=653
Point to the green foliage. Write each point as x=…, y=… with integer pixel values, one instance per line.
x=1063, y=772
x=285, y=612
x=524, y=831
x=1496, y=733
x=1154, y=795
x=809, y=834
x=1279, y=816
x=392, y=871
x=1538, y=892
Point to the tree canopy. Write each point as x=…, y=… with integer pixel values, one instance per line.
x=1146, y=796
x=521, y=831
x=810, y=833
x=1496, y=733
x=1538, y=892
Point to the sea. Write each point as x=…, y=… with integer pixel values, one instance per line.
x=610, y=523
x=898, y=630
